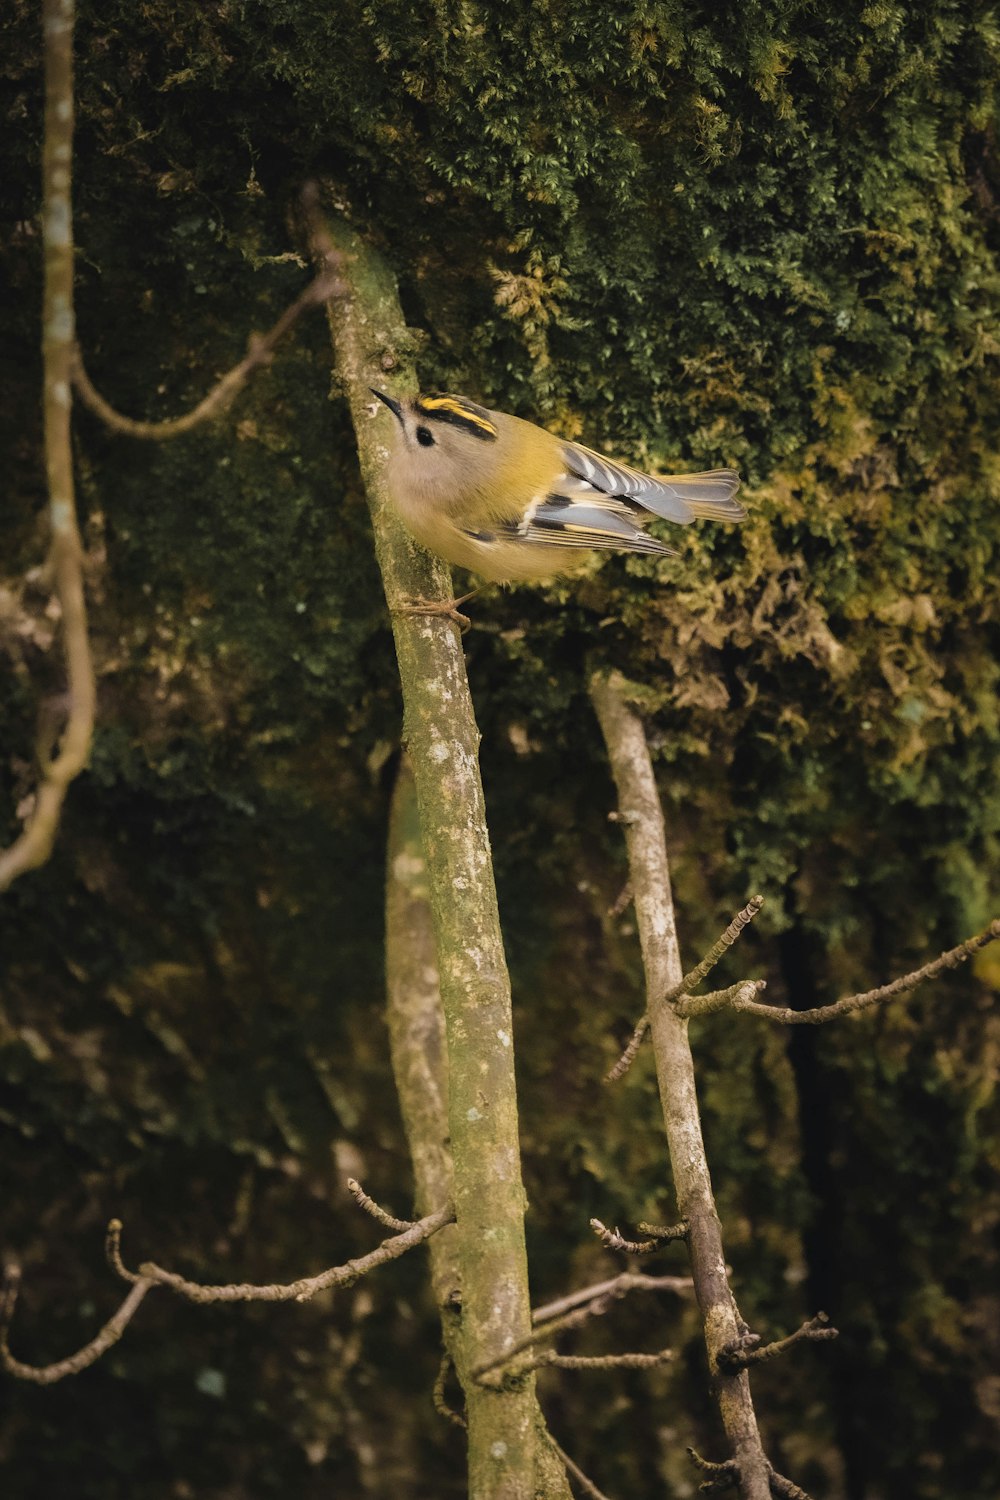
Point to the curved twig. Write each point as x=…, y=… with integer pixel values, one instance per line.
x=105, y=1339
x=261, y=348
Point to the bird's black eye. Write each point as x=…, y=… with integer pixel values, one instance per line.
x=425, y=437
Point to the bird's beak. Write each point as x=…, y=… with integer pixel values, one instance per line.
x=393, y=406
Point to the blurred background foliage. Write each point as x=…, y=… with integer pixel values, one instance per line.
x=761, y=234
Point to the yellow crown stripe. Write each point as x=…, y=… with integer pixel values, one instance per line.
x=451, y=406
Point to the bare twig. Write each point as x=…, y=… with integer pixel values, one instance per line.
x=735, y=996
x=308, y=1286
x=720, y=1476
x=549, y=1358
x=572, y=1312
x=784, y=1488
x=151, y=1275
x=74, y=1363
x=649, y=866
x=617, y=1286
x=587, y=1486
x=865, y=1001
x=369, y=1205
x=506, y=1363
x=664, y=1232
x=622, y=902
x=262, y=347
x=440, y=1399
x=740, y=1354
x=630, y=1053
x=113, y=1252
x=613, y=1240
x=34, y=845
x=693, y=977
x=690, y=980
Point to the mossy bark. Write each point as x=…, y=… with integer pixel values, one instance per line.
x=370, y=339
x=642, y=816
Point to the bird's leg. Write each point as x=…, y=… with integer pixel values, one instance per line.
x=446, y=608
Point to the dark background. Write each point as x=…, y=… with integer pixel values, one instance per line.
x=751, y=234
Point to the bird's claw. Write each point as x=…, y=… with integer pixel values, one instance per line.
x=446, y=609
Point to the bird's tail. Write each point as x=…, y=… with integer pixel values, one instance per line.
x=710, y=496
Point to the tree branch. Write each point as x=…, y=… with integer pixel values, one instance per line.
x=151, y=1275
x=369, y=1205
x=612, y=1240
x=642, y=817
x=743, y=1353
x=261, y=348
x=587, y=1486
x=689, y=982
x=864, y=1001
x=74, y=1363
x=307, y=1286
x=370, y=338
x=616, y=1286
x=34, y=845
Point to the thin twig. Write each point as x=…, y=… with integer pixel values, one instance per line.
x=630, y=1053
x=438, y=1396
x=34, y=845
x=587, y=1486
x=720, y=1476
x=308, y=1286
x=549, y=1358
x=693, y=977
x=617, y=1286
x=74, y=1363
x=113, y=1252
x=261, y=349
x=690, y=981
x=865, y=1001
x=594, y=1309
x=369, y=1205
x=784, y=1488
x=613, y=1240
x=741, y=1354
x=664, y=1232
x=623, y=901
x=735, y=996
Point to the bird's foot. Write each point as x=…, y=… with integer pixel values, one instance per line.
x=446, y=609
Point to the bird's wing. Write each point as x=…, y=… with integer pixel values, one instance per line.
x=582, y=518
x=676, y=497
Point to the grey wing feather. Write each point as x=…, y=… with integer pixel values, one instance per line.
x=603, y=524
x=677, y=497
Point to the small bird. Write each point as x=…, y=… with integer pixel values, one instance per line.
x=514, y=503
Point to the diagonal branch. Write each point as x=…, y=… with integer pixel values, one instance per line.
x=307, y=1286
x=369, y=1205
x=587, y=1486
x=694, y=977
x=853, y=1003
x=34, y=845
x=616, y=1286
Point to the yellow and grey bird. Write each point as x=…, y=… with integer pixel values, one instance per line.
x=514, y=503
